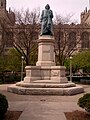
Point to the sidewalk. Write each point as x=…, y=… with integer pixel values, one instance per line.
x=42, y=107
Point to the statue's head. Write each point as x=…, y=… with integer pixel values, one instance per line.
x=47, y=7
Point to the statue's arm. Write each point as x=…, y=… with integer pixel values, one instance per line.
x=42, y=16
x=51, y=14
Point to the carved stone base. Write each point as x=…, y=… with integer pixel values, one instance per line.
x=45, y=81
x=51, y=73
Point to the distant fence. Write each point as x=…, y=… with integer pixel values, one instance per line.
x=80, y=79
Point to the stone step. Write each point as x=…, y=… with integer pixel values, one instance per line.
x=45, y=91
x=45, y=84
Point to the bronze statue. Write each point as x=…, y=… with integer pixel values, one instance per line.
x=46, y=21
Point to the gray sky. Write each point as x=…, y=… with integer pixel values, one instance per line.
x=58, y=6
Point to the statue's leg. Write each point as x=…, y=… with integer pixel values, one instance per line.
x=41, y=29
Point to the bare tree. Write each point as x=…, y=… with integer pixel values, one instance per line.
x=3, y=38
x=65, y=40
x=26, y=32
x=67, y=19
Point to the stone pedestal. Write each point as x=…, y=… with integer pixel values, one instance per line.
x=46, y=56
x=45, y=78
x=45, y=68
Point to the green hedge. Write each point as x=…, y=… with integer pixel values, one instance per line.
x=10, y=78
x=84, y=102
x=3, y=106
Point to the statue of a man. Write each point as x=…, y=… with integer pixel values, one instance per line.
x=46, y=21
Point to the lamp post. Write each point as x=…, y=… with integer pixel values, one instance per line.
x=22, y=68
x=71, y=69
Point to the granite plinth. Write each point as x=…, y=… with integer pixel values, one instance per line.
x=45, y=89
x=52, y=73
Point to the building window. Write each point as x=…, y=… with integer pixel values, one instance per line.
x=85, y=40
x=9, y=39
x=72, y=40
x=22, y=39
x=61, y=39
x=1, y=3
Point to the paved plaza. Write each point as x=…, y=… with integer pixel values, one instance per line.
x=47, y=107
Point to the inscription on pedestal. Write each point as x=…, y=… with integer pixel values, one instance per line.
x=54, y=73
x=46, y=51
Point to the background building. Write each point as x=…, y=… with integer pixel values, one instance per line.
x=76, y=35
